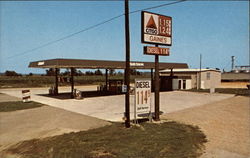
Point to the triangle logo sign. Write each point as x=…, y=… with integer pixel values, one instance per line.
x=151, y=23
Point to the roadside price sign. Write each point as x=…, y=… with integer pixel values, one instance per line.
x=142, y=96
x=156, y=29
x=156, y=51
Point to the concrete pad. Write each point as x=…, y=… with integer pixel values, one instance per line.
x=112, y=108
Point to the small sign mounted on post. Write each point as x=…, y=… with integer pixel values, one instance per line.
x=156, y=51
x=156, y=29
x=142, y=97
x=124, y=88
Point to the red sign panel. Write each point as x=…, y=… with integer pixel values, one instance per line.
x=165, y=26
x=156, y=51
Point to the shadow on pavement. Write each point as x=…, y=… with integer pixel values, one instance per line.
x=85, y=94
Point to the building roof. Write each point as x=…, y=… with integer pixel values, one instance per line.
x=100, y=64
x=188, y=70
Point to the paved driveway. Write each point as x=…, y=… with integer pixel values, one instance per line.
x=111, y=108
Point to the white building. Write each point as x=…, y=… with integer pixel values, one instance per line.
x=191, y=78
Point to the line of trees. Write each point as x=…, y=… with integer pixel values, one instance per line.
x=11, y=73
x=98, y=72
x=51, y=72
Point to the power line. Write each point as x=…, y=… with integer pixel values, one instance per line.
x=227, y=65
x=91, y=27
x=65, y=37
x=158, y=6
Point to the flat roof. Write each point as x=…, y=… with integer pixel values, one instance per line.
x=188, y=70
x=100, y=64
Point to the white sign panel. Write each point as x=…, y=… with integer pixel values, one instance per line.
x=136, y=64
x=156, y=29
x=142, y=96
x=124, y=88
x=40, y=63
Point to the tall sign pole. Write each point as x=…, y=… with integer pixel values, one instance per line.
x=156, y=29
x=127, y=70
x=157, y=87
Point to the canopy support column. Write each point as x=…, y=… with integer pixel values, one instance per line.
x=152, y=79
x=72, y=82
x=56, y=81
x=106, y=79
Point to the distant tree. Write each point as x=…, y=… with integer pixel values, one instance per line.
x=138, y=73
x=76, y=72
x=50, y=72
x=98, y=72
x=111, y=72
x=79, y=73
x=30, y=74
x=134, y=72
x=66, y=72
x=11, y=73
x=89, y=73
x=119, y=73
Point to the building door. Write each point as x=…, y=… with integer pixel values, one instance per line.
x=184, y=84
x=179, y=85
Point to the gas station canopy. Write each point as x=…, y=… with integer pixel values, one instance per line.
x=101, y=64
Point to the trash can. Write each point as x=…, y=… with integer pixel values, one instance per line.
x=52, y=90
x=77, y=94
x=26, y=95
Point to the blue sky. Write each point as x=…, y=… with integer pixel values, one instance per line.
x=217, y=30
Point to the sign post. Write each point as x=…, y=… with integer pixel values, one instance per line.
x=156, y=29
x=157, y=89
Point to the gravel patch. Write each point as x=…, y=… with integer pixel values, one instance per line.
x=226, y=124
x=42, y=122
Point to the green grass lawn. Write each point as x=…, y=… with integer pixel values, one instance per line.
x=165, y=140
x=18, y=105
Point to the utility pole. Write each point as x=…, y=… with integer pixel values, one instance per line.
x=127, y=70
x=200, y=73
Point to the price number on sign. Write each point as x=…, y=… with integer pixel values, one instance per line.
x=143, y=97
x=165, y=26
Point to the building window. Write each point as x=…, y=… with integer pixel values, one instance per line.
x=208, y=75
